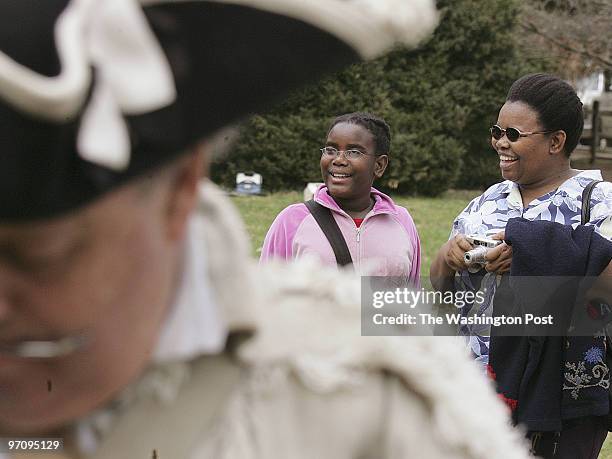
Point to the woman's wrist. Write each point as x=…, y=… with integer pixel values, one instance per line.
x=441, y=273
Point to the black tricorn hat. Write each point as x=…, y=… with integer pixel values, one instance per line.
x=96, y=92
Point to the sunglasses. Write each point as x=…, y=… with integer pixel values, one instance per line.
x=512, y=134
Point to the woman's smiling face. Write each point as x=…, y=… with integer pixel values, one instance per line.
x=349, y=179
x=527, y=160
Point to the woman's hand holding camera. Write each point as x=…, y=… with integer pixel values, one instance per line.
x=454, y=252
x=499, y=259
x=451, y=258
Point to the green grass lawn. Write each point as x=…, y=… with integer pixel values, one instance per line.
x=606, y=451
x=432, y=216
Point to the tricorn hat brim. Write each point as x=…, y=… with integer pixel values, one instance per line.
x=93, y=94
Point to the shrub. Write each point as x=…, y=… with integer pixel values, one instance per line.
x=439, y=100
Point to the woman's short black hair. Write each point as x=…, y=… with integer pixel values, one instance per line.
x=377, y=126
x=556, y=102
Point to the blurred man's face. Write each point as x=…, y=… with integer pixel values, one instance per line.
x=104, y=273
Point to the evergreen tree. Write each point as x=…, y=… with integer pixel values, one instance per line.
x=439, y=100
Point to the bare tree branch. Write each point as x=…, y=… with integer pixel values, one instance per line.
x=529, y=26
x=572, y=33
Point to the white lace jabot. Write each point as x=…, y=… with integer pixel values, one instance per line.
x=194, y=325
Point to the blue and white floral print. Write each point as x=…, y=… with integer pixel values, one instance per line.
x=489, y=213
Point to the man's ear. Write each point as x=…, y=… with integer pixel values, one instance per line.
x=557, y=142
x=183, y=192
x=380, y=164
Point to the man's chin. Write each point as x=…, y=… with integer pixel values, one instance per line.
x=11, y=428
x=40, y=421
x=39, y=413
x=34, y=402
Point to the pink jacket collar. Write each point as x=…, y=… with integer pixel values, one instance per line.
x=383, y=205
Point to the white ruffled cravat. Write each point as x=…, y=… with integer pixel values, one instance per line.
x=194, y=325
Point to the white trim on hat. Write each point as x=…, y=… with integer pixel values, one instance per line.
x=133, y=77
x=369, y=26
x=53, y=98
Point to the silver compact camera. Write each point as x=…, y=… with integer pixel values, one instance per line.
x=475, y=258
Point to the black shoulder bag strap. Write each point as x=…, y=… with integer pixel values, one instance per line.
x=325, y=219
x=586, y=202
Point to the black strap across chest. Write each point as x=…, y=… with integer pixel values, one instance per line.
x=586, y=202
x=325, y=220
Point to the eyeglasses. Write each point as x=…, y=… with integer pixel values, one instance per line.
x=352, y=153
x=512, y=134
